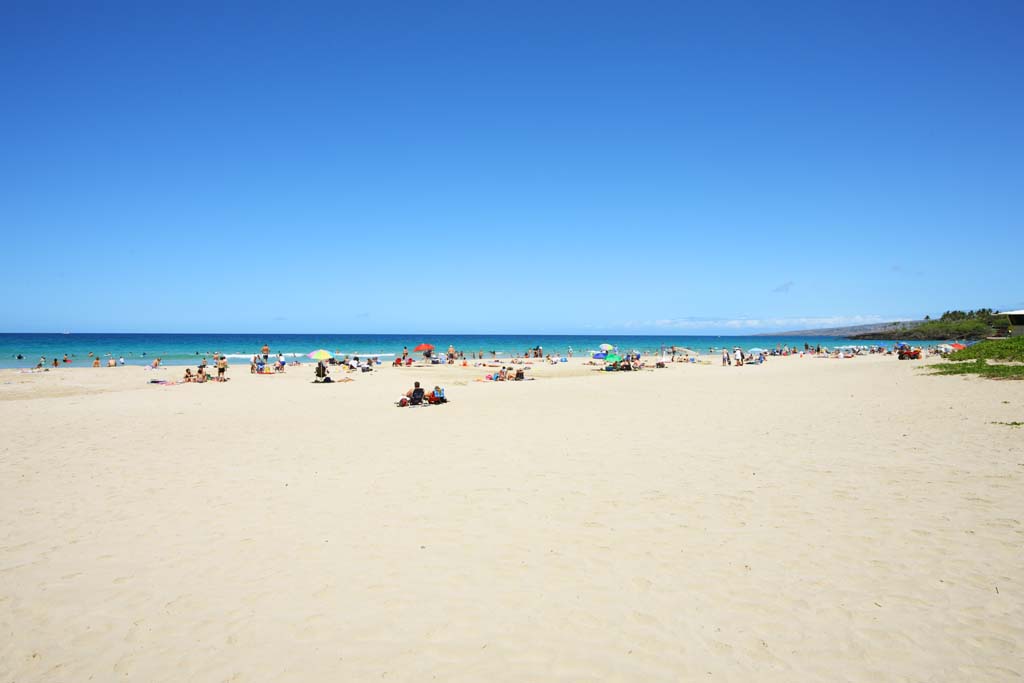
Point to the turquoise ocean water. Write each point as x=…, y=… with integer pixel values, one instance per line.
x=185, y=349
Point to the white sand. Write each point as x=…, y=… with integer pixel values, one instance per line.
x=807, y=520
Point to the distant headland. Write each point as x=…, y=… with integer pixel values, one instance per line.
x=977, y=324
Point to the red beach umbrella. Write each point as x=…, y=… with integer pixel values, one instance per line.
x=424, y=347
x=958, y=346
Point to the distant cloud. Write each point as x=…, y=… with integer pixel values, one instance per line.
x=899, y=269
x=750, y=324
x=784, y=287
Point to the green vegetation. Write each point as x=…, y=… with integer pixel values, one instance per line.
x=1010, y=349
x=981, y=359
x=985, y=315
x=1010, y=424
x=941, y=329
x=978, y=324
x=980, y=367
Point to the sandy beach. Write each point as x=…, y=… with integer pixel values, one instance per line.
x=805, y=520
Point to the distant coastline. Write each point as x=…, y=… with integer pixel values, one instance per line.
x=953, y=325
x=869, y=331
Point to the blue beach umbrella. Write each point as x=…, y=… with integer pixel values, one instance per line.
x=600, y=356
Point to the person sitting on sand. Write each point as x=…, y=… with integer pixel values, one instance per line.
x=155, y=364
x=201, y=374
x=111, y=363
x=520, y=374
x=321, y=372
x=188, y=375
x=415, y=395
x=95, y=362
x=397, y=363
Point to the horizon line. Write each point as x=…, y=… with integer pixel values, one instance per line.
x=436, y=334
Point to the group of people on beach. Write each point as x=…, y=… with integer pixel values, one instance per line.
x=738, y=358
x=261, y=365
x=418, y=396
x=68, y=360
x=507, y=375
x=202, y=375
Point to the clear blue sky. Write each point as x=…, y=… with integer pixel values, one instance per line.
x=507, y=167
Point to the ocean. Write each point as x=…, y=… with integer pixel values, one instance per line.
x=186, y=349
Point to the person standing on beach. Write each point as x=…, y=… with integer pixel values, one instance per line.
x=266, y=353
x=222, y=368
x=405, y=352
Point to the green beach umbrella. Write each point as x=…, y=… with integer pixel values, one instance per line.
x=612, y=358
x=320, y=354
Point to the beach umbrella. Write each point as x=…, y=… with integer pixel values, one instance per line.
x=606, y=347
x=958, y=346
x=424, y=347
x=320, y=354
x=756, y=349
x=612, y=358
x=600, y=356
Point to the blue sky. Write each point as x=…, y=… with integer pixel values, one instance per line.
x=507, y=167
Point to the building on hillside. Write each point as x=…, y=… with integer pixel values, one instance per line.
x=1016, y=322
